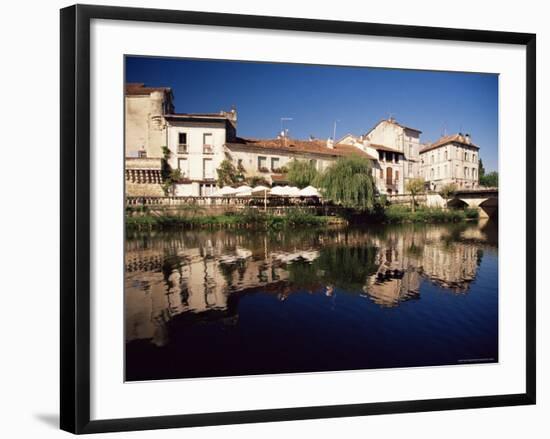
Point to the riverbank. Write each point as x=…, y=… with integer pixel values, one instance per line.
x=255, y=218
x=247, y=218
x=402, y=214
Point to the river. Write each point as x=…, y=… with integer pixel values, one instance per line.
x=203, y=303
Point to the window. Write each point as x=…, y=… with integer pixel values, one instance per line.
x=432, y=158
x=396, y=158
x=262, y=163
x=396, y=176
x=410, y=150
x=432, y=173
x=438, y=156
x=207, y=169
x=465, y=172
x=240, y=164
x=207, y=190
x=275, y=163
x=183, y=167
x=446, y=155
x=208, y=147
x=142, y=154
x=389, y=176
x=389, y=156
x=182, y=143
x=465, y=156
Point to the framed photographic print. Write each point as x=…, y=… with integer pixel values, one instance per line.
x=268, y=218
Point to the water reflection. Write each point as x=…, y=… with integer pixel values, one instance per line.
x=183, y=280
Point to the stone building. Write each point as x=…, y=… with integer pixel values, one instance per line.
x=197, y=147
x=396, y=148
x=197, y=143
x=145, y=126
x=268, y=158
x=451, y=159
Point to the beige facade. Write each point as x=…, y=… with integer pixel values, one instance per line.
x=198, y=143
x=451, y=159
x=396, y=148
x=268, y=158
x=145, y=125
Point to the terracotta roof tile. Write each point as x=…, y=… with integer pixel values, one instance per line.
x=136, y=89
x=453, y=138
x=303, y=146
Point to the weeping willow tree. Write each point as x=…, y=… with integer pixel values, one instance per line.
x=301, y=173
x=349, y=182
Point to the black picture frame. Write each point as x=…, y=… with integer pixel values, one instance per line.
x=75, y=217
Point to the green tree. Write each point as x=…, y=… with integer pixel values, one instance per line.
x=349, y=183
x=414, y=187
x=257, y=180
x=447, y=191
x=481, y=168
x=302, y=173
x=489, y=180
x=228, y=175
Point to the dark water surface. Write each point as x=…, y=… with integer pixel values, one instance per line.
x=225, y=303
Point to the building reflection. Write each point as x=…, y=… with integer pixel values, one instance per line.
x=202, y=275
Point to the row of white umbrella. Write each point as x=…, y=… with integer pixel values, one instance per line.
x=262, y=191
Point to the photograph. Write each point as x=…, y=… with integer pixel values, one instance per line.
x=294, y=218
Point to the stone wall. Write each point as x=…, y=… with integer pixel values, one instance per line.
x=143, y=190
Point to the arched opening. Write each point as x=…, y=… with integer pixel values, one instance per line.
x=456, y=203
x=489, y=208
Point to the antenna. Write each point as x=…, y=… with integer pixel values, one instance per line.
x=283, y=119
x=334, y=130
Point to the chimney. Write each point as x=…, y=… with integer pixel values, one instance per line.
x=467, y=138
x=330, y=143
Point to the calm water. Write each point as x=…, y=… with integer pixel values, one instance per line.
x=221, y=303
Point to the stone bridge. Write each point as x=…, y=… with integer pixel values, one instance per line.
x=484, y=199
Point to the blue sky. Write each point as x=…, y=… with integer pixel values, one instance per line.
x=316, y=96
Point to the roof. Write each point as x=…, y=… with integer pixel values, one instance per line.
x=385, y=148
x=138, y=89
x=392, y=121
x=304, y=146
x=445, y=140
x=196, y=116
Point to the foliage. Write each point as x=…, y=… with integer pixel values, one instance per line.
x=489, y=180
x=447, y=191
x=481, y=168
x=415, y=186
x=257, y=180
x=402, y=214
x=187, y=218
x=228, y=175
x=349, y=183
x=302, y=173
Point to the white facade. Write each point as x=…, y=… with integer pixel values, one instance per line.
x=452, y=159
x=196, y=144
